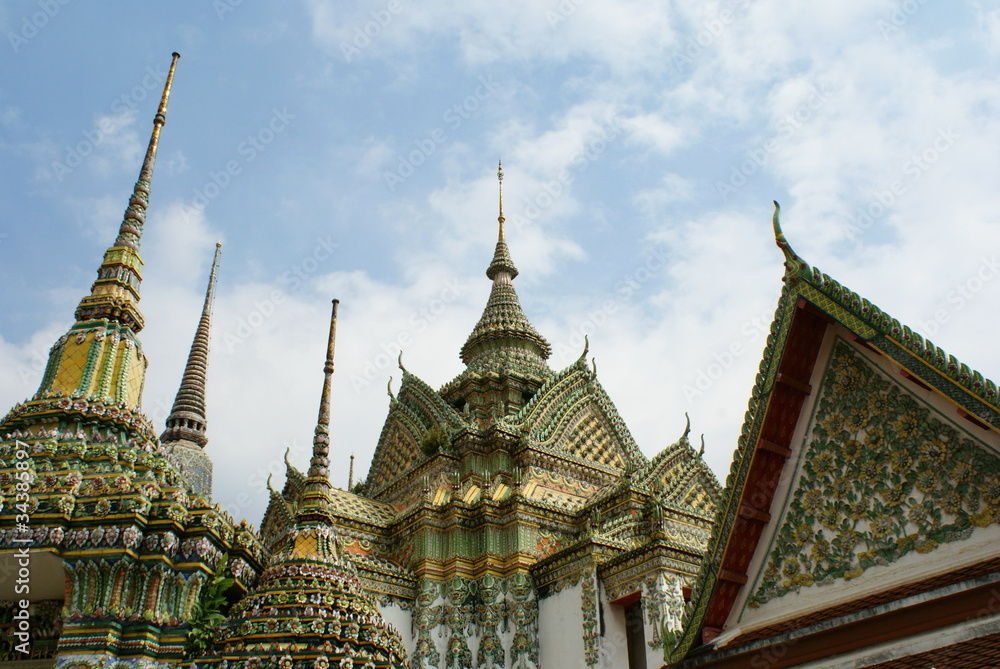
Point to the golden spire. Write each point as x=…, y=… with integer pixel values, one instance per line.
x=503, y=323
x=100, y=357
x=116, y=291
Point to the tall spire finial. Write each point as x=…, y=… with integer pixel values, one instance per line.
x=500, y=218
x=319, y=465
x=129, y=234
x=187, y=420
x=350, y=475
x=502, y=268
x=503, y=323
x=187, y=423
x=115, y=293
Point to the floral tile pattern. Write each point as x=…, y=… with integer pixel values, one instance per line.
x=882, y=476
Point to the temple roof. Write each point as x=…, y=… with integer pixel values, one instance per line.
x=682, y=477
x=504, y=338
x=572, y=414
x=810, y=302
x=413, y=413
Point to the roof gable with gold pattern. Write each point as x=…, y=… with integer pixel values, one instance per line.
x=344, y=504
x=817, y=323
x=573, y=414
x=295, y=482
x=412, y=413
x=279, y=517
x=429, y=404
x=682, y=478
x=880, y=468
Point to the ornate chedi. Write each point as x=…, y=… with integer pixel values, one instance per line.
x=309, y=610
x=490, y=501
x=110, y=543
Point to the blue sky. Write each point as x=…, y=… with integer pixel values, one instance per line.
x=348, y=149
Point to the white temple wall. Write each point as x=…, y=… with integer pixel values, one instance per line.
x=402, y=620
x=560, y=629
x=614, y=642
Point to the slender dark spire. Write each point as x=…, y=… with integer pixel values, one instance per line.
x=319, y=465
x=115, y=293
x=350, y=475
x=188, y=420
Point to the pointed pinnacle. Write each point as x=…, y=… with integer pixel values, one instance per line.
x=502, y=268
x=319, y=465
x=115, y=293
x=188, y=419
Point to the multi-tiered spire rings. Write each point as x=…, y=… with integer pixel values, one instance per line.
x=319, y=465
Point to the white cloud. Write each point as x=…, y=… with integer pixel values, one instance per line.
x=692, y=276
x=622, y=36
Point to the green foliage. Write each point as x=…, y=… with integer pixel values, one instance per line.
x=206, y=615
x=434, y=440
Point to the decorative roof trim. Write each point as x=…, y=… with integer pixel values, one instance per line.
x=805, y=284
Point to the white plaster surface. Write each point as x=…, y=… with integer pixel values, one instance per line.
x=560, y=630
x=402, y=621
